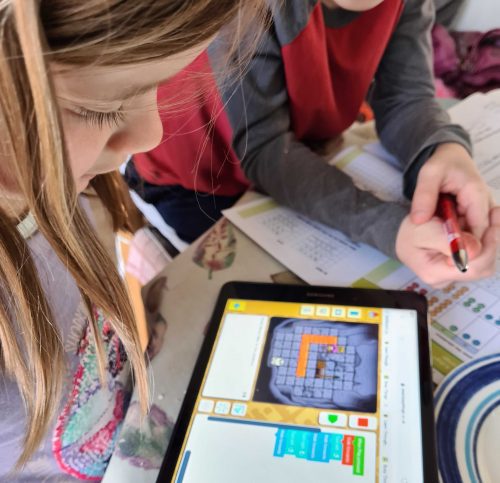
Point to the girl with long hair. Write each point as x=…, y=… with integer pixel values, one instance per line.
x=78, y=95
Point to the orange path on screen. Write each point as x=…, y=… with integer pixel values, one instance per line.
x=305, y=343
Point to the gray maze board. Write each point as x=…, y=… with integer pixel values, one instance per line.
x=322, y=364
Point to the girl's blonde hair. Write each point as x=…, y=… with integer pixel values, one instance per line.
x=106, y=32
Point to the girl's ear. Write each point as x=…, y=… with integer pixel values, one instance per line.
x=153, y=296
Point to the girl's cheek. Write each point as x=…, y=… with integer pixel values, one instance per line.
x=84, y=145
x=83, y=156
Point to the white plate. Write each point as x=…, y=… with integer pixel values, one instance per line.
x=468, y=423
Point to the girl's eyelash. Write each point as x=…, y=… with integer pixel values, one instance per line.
x=99, y=119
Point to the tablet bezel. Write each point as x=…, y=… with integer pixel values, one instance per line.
x=314, y=295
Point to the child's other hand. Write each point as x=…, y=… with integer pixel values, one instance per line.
x=425, y=249
x=451, y=170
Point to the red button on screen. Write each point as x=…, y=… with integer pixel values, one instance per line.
x=363, y=422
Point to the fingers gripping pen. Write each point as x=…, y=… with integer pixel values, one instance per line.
x=447, y=212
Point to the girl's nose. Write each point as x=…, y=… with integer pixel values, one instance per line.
x=142, y=132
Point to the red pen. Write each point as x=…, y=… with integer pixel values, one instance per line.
x=447, y=212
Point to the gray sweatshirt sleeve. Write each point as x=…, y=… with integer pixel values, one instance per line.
x=295, y=176
x=409, y=120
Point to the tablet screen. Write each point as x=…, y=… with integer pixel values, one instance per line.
x=305, y=392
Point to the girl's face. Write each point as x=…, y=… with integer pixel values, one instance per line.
x=109, y=112
x=353, y=5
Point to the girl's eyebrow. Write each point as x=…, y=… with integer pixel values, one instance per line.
x=95, y=103
x=115, y=98
x=135, y=91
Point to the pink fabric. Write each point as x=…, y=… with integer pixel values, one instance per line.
x=446, y=60
x=146, y=258
x=467, y=61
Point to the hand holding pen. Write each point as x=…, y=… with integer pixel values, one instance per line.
x=446, y=210
x=421, y=243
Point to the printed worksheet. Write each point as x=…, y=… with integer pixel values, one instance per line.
x=465, y=316
x=310, y=249
x=370, y=172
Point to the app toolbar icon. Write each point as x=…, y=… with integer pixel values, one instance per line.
x=354, y=313
x=307, y=310
x=338, y=312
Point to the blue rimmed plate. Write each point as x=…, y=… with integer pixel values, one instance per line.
x=468, y=422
